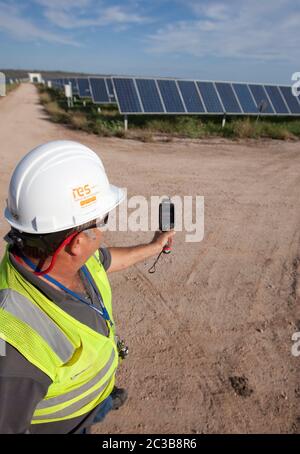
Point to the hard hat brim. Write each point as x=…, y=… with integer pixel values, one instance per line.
x=114, y=199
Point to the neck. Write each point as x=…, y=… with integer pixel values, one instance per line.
x=65, y=271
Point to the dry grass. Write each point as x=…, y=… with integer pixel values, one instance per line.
x=79, y=121
x=144, y=135
x=244, y=128
x=11, y=87
x=45, y=98
x=56, y=113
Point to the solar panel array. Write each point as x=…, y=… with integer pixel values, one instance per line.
x=101, y=90
x=60, y=83
x=174, y=96
x=83, y=88
x=137, y=95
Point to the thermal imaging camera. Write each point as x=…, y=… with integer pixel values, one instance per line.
x=166, y=219
x=166, y=215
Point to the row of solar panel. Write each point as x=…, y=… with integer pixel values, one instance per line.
x=98, y=88
x=182, y=96
x=159, y=96
x=60, y=83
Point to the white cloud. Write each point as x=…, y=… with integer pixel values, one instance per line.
x=63, y=4
x=266, y=30
x=217, y=11
x=22, y=28
x=68, y=14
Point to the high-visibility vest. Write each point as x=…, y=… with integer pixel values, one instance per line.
x=80, y=361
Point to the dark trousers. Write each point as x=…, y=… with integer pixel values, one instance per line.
x=103, y=409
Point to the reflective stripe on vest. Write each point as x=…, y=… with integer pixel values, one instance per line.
x=80, y=390
x=23, y=309
x=73, y=407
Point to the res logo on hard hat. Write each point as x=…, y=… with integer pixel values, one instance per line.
x=85, y=194
x=81, y=191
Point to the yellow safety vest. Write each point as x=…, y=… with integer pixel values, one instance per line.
x=80, y=361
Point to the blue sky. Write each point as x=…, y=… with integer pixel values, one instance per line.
x=245, y=40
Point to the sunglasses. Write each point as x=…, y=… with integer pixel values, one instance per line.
x=103, y=221
x=96, y=224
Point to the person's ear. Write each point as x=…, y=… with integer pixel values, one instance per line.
x=76, y=245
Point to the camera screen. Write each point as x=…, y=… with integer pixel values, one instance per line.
x=166, y=216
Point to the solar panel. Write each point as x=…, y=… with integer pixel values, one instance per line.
x=149, y=95
x=110, y=89
x=171, y=96
x=246, y=100
x=84, y=88
x=74, y=86
x=191, y=96
x=210, y=97
x=127, y=96
x=290, y=99
x=228, y=98
x=98, y=90
x=261, y=98
x=276, y=99
x=110, y=86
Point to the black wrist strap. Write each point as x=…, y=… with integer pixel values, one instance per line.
x=152, y=269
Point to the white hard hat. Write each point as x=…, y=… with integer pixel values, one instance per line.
x=57, y=186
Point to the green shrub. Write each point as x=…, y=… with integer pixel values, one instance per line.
x=107, y=128
x=273, y=131
x=293, y=127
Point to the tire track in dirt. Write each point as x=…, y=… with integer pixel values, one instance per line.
x=184, y=343
x=211, y=239
x=159, y=299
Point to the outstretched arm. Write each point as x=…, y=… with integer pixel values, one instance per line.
x=123, y=257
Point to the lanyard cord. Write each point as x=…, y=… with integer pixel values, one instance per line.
x=104, y=313
x=96, y=290
x=53, y=260
x=152, y=268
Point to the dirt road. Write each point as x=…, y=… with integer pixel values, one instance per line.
x=210, y=332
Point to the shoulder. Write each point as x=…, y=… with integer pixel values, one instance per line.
x=14, y=364
x=105, y=257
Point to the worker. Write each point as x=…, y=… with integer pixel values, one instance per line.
x=59, y=350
